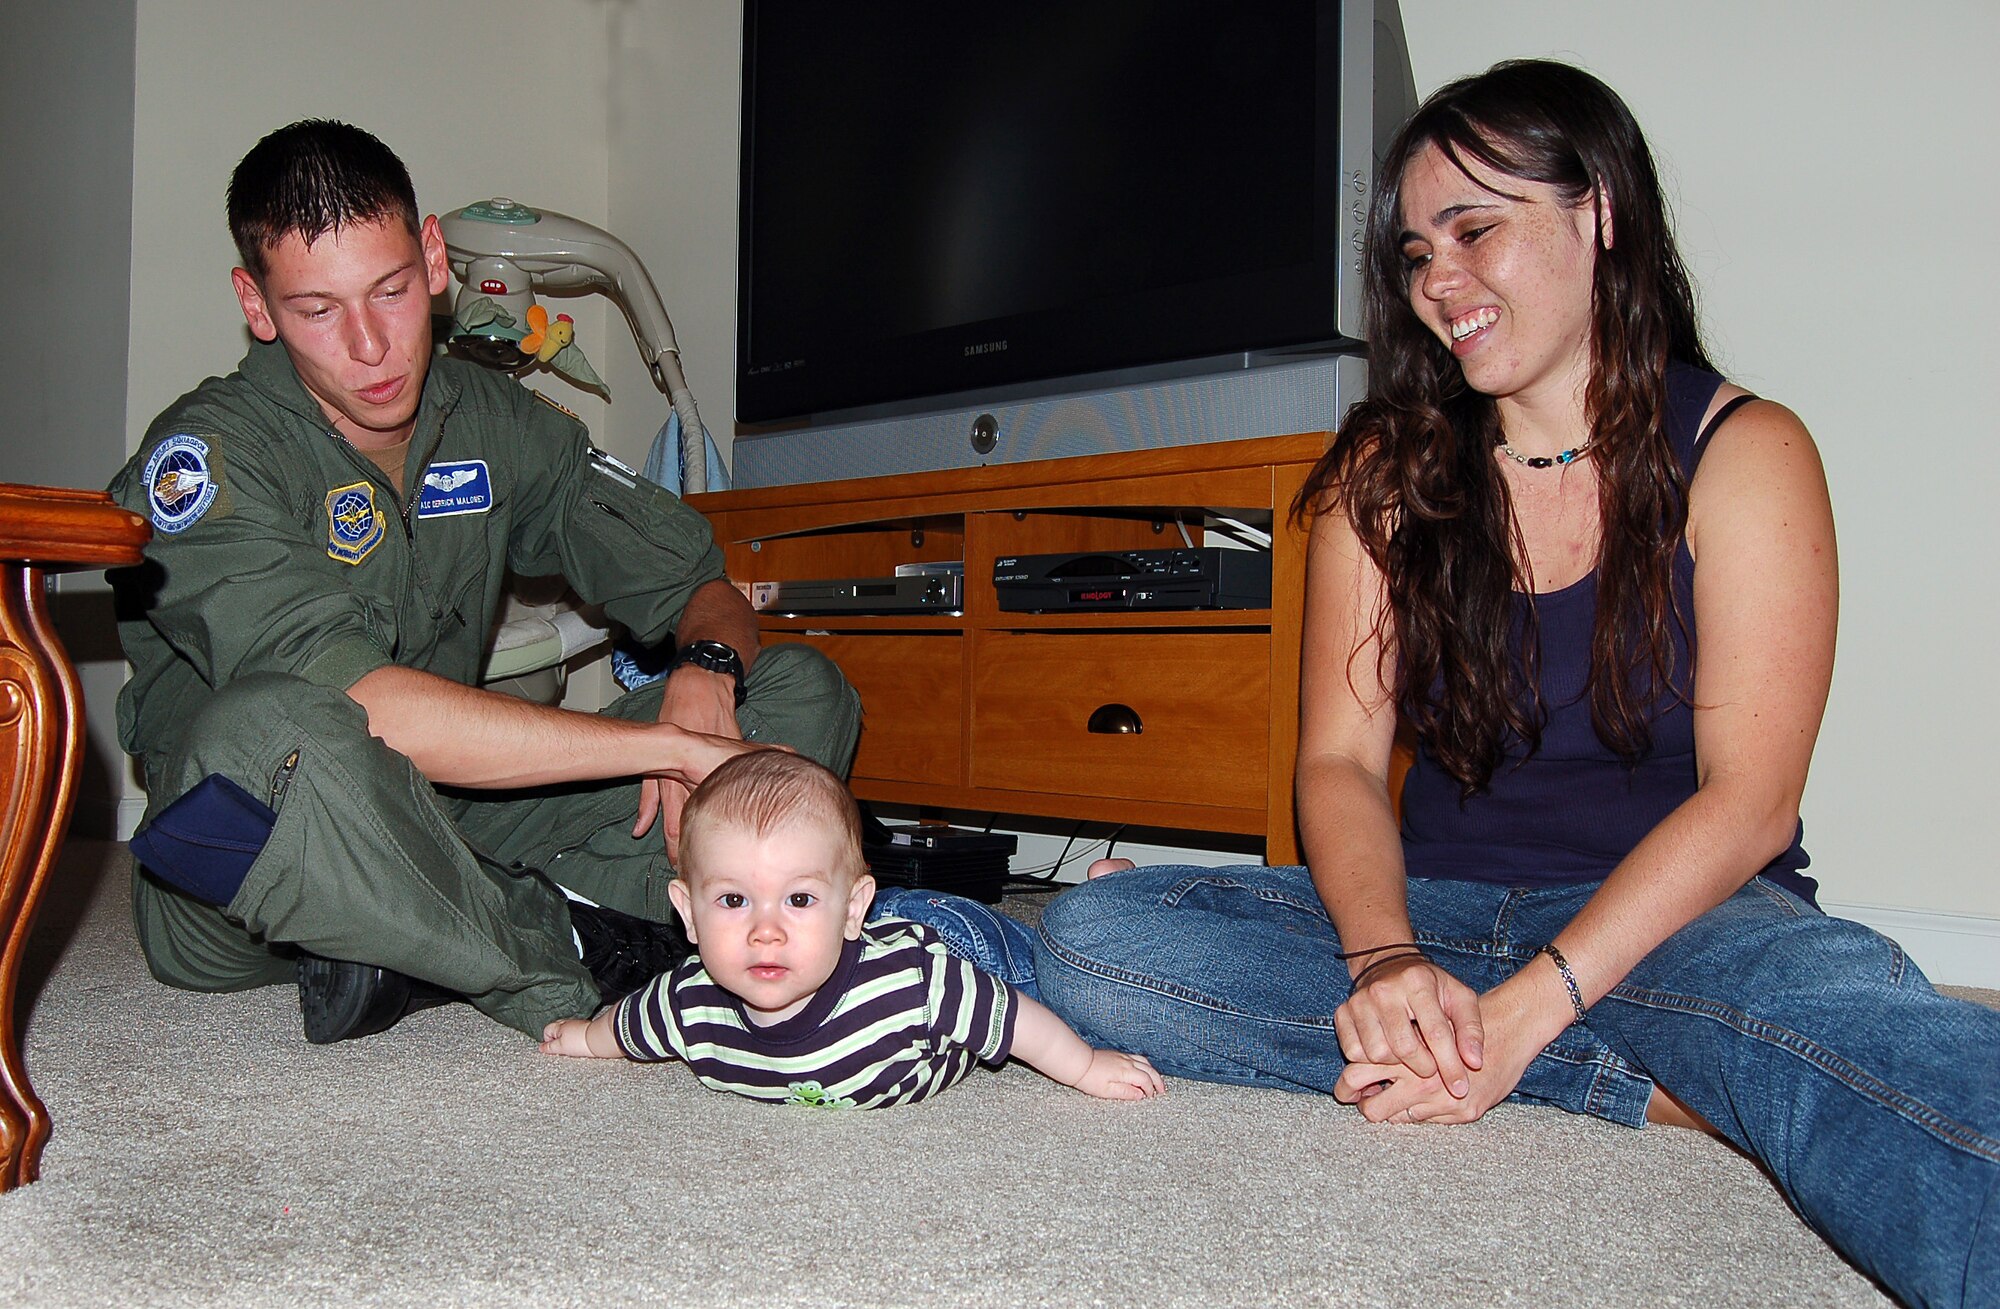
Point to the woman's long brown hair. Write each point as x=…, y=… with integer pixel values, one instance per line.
x=1413, y=466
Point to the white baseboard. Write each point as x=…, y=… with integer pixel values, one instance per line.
x=1952, y=949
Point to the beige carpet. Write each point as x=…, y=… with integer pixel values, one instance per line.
x=205, y=1155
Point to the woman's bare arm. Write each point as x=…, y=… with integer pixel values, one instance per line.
x=1766, y=599
x=1410, y=1012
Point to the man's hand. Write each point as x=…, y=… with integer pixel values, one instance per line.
x=699, y=701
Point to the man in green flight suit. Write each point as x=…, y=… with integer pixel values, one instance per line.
x=332, y=799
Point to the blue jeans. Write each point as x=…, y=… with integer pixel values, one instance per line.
x=996, y=943
x=1812, y=1043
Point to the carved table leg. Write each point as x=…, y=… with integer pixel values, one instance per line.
x=41, y=726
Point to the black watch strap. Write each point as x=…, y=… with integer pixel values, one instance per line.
x=714, y=656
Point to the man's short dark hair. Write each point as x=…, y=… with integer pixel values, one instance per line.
x=311, y=177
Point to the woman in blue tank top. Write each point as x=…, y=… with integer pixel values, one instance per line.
x=1597, y=584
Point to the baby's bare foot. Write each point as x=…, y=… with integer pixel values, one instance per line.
x=1104, y=867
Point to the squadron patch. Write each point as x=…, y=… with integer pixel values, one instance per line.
x=461, y=487
x=178, y=485
x=353, y=527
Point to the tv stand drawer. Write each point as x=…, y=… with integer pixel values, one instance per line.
x=1133, y=715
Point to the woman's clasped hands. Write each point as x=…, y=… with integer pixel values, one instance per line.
x=1423, y=1046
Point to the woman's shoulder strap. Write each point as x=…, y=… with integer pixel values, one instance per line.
x=1709, y=428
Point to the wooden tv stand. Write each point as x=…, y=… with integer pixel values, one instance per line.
x=990, y=711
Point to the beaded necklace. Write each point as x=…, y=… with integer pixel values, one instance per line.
x=1568, y=456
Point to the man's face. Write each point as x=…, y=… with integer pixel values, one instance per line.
x=769, y=913
x=353, y=310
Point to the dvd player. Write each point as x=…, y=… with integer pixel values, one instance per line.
x=920, y=594
x=1201, y=577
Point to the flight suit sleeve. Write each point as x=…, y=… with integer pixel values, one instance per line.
x=620, y=540
x=234, y=581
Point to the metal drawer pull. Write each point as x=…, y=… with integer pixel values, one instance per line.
x=1115, y=719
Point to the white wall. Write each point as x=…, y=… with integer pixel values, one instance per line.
x=68, y=209
x=478, y=97
x=68, y=205
x=1830, y=164
x=675, y=68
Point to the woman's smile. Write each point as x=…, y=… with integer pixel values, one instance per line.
x=1500, y=271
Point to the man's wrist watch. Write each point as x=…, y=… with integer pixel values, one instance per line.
x=713, y=656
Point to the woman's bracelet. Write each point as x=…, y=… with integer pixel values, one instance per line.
x=1569, y=978
x=1378, y=949
x=1383, y=962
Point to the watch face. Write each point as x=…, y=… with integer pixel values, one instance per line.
x=716, y=658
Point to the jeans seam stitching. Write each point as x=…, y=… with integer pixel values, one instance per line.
x=1143, y=982
x=1173, y=895
x=1904, y=1106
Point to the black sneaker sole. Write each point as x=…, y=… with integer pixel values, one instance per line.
x=339, y=1001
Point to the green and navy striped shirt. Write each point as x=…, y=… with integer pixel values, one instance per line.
x=900, y=1020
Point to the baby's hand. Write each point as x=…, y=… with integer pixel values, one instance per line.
x=1113, y=1075
x=568, y=1036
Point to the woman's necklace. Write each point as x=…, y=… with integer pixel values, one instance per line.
x=1568, y=456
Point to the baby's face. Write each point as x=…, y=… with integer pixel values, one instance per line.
x=769, y=913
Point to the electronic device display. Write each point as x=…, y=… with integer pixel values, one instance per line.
x=1200, y=577
x=919, y=593
x=945, y=199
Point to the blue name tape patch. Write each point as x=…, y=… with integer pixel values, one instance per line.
x=463, y=487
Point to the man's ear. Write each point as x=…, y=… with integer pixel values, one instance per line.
x=858, y=901
x=437, y=265
x=255, y=312
x=677, y=892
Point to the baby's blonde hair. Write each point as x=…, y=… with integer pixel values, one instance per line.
x=766, y=791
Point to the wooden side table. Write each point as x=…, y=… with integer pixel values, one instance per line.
x=42, y=530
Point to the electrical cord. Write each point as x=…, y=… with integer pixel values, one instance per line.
x=1237, y=529
x=1044, y=877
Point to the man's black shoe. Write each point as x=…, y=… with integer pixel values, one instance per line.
x=622, y=952
x=340, y=1000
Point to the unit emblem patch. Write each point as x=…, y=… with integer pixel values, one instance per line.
x=178, y=485
x=353, y=526
x=463, y=487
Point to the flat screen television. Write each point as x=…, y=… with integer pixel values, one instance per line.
x=946, y=202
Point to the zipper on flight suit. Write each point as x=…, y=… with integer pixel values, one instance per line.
x=409, y=506
x=416, y=492
x=281, y=781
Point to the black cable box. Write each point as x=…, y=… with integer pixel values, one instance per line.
x=1197, y=577
x=930, y=857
